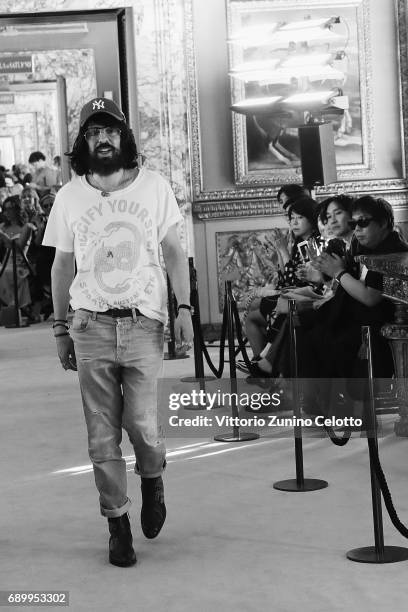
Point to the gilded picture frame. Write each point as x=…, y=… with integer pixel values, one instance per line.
x=235, y=195
x=266, y=148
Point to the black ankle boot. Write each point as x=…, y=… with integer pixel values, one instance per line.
x=121, y=551
x=153, y=512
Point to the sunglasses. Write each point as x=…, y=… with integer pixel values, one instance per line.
x=363, y=222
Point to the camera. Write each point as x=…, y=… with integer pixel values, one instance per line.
x=336, y=246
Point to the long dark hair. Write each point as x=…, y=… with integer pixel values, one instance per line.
x=21, y=215
x=306, y=207
x=79, y=156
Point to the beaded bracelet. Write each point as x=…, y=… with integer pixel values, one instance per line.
x=60, y=325
x=59, y=335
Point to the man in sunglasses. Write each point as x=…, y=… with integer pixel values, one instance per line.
x=111, y=219
x=330, y=349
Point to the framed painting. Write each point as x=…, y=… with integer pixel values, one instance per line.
x=291, y=63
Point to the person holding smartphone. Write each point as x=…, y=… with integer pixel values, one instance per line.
x=302, y=215
x=329, y=350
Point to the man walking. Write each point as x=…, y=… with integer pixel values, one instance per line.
x=110, y=219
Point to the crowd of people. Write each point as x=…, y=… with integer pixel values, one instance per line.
x=335, y=294
x=27, y=193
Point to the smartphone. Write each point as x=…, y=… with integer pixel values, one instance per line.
x=303, y=248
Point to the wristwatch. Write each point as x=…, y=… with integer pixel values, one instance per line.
x=339, y=275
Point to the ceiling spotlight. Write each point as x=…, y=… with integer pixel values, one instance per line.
x=328, y=102
x=311, y=23
x=269, y=105
x=321, y=102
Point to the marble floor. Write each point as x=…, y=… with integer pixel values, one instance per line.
x=231, y=541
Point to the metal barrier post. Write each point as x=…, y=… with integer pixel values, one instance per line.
x=377, y=553
x=198, y=355
x=300, y=483
x=236, y=435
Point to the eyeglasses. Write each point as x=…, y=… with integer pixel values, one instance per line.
x=363, y=222
x=93, y=133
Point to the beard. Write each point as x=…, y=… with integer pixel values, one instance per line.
x=104, y=166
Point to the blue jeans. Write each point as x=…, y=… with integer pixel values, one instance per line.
x=119, y=362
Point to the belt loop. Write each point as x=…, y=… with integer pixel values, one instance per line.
x=134, y=315
x=94, y=313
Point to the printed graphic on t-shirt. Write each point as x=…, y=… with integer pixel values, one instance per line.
x=117, y=259
x=116, y=242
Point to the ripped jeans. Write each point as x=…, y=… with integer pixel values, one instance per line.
x=119, y=361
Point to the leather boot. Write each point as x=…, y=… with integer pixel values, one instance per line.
x=121, y=551
x=153, y=512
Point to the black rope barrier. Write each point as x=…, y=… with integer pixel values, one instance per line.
x=379, y=553
x=241, y=343
x=236, y=436
x=216, y=371
x=338, y=440
x=398, y=524
x=300, y=483
x=198, y=340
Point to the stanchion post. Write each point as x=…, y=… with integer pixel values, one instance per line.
x=377, y=553
x=15, y=283
x=236, y=435
x=198, y=354
x=300, y=483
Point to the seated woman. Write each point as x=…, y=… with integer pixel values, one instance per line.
x=302, y=216
x=335, y=215
x=330, y=348
x=15, y=228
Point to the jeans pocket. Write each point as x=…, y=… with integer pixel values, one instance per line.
x=81, y=321
x=150, y=325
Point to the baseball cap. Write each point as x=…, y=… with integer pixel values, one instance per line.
x=100, y=105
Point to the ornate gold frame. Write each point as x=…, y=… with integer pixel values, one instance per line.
x=258, y=197
x=291, y=175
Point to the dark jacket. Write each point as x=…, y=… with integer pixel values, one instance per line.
x=344, y=310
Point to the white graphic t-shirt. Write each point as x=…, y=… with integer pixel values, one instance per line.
x=116, y=240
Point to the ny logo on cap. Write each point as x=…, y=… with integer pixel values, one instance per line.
x=98, y=104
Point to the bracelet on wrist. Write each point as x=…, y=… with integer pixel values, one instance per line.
x=60, y=325
x=60, y=320
x=59, y=335
x=185, y=306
